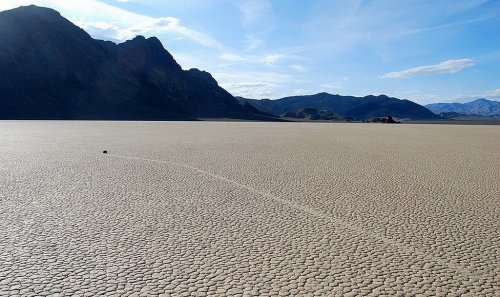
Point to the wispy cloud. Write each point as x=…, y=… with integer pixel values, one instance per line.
x=419, y=97
x=252, y=43
x=450, y=66
x=493, y=94
x=272, y=59
x=301, y=92
x=233, y=57
x=254, y=84
x=331, y=87
x=446, y=26
x=252, y=76
x=267, y=59
x=298, y=68
x=250, y=89
x=257, y=19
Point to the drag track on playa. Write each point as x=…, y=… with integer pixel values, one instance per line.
x=248, y=209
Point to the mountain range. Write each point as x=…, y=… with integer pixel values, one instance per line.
x=479, y=107
x=358, y=108
x=312, y=114
x=52, y=69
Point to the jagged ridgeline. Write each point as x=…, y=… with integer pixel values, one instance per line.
x=52, y=69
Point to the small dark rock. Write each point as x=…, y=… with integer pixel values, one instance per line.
x=104, y=152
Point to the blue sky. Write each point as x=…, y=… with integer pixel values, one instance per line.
x=426, y=51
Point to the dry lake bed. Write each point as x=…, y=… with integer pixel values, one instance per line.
x=248, y=209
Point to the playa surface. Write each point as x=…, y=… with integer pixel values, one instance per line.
x=248, y=209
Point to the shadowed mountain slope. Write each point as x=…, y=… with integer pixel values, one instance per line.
x=355, y=107
x=312, y=114
x=51, y=69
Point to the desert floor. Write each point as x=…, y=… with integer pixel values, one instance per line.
x=248, y=209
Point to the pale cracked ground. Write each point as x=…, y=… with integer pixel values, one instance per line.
x=248, y=209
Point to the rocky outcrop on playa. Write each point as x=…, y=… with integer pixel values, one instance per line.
x=384, y=120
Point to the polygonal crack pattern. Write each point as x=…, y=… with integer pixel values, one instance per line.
x=248, y=209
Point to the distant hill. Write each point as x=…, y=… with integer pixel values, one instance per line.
x=312, y=114
x=479, y=107
x=51, y=69
x=360, y=108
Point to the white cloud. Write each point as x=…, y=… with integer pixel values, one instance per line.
x=271, y=59
x=331, y=87
x=254, y=90
x=418, y=96
x=274, y=58
x=232, y=57
x=493, y=93
x=298, y=68
x=450, y=66
x=269, y=77
x=252, y=43
x=301, y=92
x=255, y=84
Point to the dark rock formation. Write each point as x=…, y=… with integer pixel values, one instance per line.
x=385, y=120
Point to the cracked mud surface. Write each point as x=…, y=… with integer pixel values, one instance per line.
x=248, y=209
